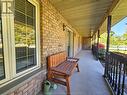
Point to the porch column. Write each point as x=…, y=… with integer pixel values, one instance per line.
x=108, y=42
x=108, y=33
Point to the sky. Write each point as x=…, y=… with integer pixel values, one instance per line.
x=121, y=27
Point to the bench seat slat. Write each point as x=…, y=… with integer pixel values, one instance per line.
x=65, y=67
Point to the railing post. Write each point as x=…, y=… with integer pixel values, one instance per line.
x=98, y=36
x=124, y=75
x=119, y=79
x=107, y=45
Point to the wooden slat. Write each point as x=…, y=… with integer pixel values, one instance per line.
x=58, y=81
x=65, y=67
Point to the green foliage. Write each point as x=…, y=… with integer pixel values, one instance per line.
x=125, y=38
x=115, y=39
x=24, y=34
x=103, y=38
x=101, y=53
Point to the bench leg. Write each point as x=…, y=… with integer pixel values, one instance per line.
x=68, y=85
x=49, y=75
x=78, y=68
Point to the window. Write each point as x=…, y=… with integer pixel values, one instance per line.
x=2, y=74
x=19, y=43
x=25, y=31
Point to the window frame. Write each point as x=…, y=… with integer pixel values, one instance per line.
x=5, y=48
x=9, y=46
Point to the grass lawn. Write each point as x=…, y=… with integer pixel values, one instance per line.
x=121, y=51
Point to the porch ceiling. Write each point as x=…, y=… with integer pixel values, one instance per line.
x=84, y=15
x=118, y=13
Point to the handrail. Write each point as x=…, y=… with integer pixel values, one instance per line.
x=116, y=65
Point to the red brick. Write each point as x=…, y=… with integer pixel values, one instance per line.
x=23, y=87
x=11, y=93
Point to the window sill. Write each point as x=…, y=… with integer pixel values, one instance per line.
x=10, y=87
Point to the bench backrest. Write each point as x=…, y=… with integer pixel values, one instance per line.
x=56, y=59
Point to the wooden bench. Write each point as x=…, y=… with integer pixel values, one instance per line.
x=61, y=67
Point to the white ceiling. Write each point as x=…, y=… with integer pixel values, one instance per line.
x=83, y=15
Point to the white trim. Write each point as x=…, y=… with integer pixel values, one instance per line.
x=9, y=46
x=7, y=82
x=27, y=71
x=34, y=2
x=5, y=49
x=38, y=65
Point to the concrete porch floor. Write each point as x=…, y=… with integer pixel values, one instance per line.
x=89, y=81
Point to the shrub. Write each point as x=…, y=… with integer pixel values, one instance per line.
x=101, y=51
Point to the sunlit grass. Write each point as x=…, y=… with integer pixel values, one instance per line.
x=121, y=51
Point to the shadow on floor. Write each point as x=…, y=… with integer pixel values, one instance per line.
x=89, y=81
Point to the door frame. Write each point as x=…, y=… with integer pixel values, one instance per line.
x=71, y=39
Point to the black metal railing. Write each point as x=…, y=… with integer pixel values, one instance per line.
x=115, y=72
x=95, y=51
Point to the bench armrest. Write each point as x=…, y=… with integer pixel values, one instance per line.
x=72, y=59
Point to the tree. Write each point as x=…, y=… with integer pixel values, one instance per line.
x=24, y=35
x=112, y=37
x=125, y=38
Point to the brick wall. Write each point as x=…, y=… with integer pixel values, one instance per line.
x=31, y=86
x=54, y=39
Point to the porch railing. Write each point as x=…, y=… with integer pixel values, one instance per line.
x=115, y=72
